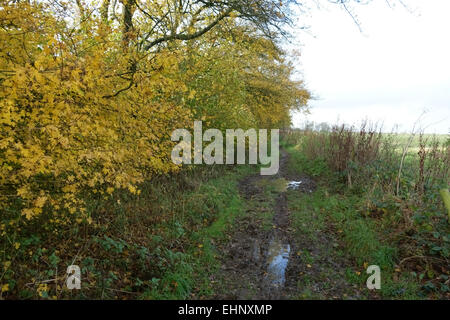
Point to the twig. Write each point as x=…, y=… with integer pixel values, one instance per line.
x=405, y=151
x=420, y=257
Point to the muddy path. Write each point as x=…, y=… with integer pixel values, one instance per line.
x=267, y=257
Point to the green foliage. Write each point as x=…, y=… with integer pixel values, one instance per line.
x=153, y=246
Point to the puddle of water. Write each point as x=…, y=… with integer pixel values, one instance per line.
x=279, y=185
x=277, y=258
x=294, y=185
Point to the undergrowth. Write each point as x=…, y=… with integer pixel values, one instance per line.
x=156, y=245
x=407, y=232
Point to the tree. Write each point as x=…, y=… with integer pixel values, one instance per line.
x=90, y=93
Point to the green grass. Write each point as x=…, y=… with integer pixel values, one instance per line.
x=306, y=218
x=158, y=245
x=403, y=138
x=200, y=261
x=362, y=236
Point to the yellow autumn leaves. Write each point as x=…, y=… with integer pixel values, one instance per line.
x=82, y=112
x=59, y=133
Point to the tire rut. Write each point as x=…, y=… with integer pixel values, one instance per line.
x=262, y=264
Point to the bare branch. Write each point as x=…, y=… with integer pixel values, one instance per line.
x=184, y=36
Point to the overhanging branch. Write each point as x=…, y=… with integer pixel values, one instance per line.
x=191, y=36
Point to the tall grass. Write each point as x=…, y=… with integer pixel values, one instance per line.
x=367, y=159
x=393, y=187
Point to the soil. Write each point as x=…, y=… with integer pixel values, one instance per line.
x=248, y=270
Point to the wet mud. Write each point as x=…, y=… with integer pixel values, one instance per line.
x=263, y=263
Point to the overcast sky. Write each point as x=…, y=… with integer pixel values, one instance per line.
x=395, y=69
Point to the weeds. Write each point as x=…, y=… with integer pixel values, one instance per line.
x=406, y=230
x=156, y=245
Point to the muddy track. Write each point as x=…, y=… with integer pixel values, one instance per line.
x=263, y=263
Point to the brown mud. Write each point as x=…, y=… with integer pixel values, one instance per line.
x=260, y=262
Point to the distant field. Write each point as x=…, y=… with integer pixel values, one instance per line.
x=402, y=138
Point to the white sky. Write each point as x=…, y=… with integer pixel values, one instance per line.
x=395, y=69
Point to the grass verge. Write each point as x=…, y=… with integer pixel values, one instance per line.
x=363, y=237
